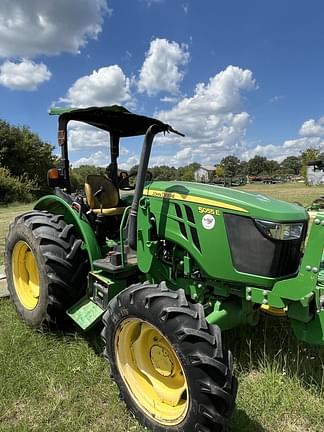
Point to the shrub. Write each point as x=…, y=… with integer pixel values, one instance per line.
x=15, y=188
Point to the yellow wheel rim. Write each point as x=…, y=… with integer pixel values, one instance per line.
x=151, y=371
x=25, y=275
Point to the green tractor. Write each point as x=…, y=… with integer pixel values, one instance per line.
x=167, y=266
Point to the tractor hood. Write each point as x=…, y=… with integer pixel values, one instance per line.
x=228, y=200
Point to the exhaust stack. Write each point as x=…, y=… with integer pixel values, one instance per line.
x=142, y=169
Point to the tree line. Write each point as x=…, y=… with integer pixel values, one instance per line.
x=162, y=172
x=25, y=160
x=229, y=167
x=259, y=166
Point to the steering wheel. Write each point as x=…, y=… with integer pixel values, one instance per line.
x=124, y=179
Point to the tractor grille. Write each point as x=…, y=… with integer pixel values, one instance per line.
x=254, y=253
x=187, y=224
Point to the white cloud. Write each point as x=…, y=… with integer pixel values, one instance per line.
x=82, y=136
x=161, y=70
x=150, y=2
x=212, y=119
x=181, y=156
x=34, y=27
x=106, y=86
x=25, y=75
x=276, y=98
x=129, y=162
x=311, y=135
x=312, y=128
x=185, y=8
x=279, y=152
x=170, y=99
x=127, y=56
x=101, y=158
x=98, y=158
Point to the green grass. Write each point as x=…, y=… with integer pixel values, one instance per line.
x=60, y=382
x=292, y=192
x=55, y=382
x=281, y=380
x=7, y=213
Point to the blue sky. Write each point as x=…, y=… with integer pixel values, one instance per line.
x=237, y=77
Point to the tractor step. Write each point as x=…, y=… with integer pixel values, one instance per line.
x=106, y=265
x=112, y=263
x=85, y=313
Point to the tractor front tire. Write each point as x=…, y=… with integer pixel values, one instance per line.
x=45, y=267
x=167, y=361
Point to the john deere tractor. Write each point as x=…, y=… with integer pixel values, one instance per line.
x=167, y=266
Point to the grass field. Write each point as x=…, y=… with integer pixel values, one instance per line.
x=60, y=382
x=292, y=192
x=6, y=216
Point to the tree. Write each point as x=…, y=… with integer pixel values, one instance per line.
x=272, y=167
x=257, y=165
x=164, y=172
x=15, y=188
x=133, y=169
x=78, y=175
x=186, y=173
x=25, y=154
x=291, y=165
x=243, y=168
x=231, y=166
x=310, y=154
x=220, y=170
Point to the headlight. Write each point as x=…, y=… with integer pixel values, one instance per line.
x=280, y=231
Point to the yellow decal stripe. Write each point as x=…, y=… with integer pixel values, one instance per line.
x=191, y=198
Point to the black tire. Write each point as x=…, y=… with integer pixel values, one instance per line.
x=207, y=367
x=60, y=262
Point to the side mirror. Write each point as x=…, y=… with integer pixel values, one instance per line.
x=55, y=178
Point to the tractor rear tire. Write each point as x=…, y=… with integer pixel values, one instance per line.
x=167, y=361
x=45, y=267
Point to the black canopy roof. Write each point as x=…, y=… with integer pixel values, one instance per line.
x=115, y=119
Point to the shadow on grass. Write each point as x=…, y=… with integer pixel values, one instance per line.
x=241, y=422
x=272, y=344
x=93, y=339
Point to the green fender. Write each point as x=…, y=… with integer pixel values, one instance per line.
x=57, y=205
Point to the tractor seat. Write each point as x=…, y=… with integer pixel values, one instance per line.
x=108, y=198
